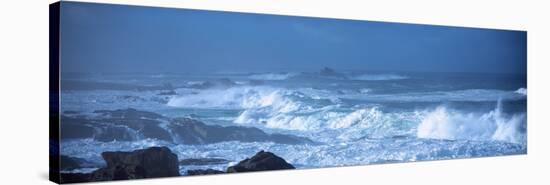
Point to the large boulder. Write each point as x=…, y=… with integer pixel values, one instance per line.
x=138, y=164
x=262, y=161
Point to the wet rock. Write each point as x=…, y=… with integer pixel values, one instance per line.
x=67, y=163
x=191, y=131
x=146, y=163
x=129, y=114
x=132, y=124
x=131, y=98
x=327, y=72
x=330, y=73
x=138, y=164
x=116, y=133
x=155, y=131
x=74, y=177
x=262, y=161
x=204, y=172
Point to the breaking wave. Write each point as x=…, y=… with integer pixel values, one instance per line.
x=443, y=123
x=314, y=111
x=244, y=97
x=522, y=91
x=272, y=76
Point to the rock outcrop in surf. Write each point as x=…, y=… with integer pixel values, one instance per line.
x=132, y=125
x=138, y=164
x=262, y=161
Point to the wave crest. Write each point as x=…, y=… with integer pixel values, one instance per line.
x=522, y=91
x=272, y=76
x=243, y=97
x=443, y=123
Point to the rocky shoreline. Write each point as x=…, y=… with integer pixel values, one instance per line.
x=131, y=125
x=134, y=125
x=157, y=162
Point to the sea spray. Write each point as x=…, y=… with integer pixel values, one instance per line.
x=443, y=123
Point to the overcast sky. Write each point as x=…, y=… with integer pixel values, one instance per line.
x=113, y=38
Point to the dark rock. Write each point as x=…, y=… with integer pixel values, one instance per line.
x=132, y=124
x=114, y=133
x=330, y=73
x=129, y=114
x=260, y=162
x=71, y=163
x=203, y=161
x=124, y=124
x=190, y=131
x=74, y=177
x=131, y=98
x=145, y=163
x=327, y=72
x=155, y=131
x=204, y=172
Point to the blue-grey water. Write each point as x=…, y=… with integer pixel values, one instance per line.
x=356, y=117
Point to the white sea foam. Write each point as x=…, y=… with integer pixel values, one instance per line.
x=365, y=91
x=443, y=123
x=272, y=76
x=522, y=91
x=438, y=96
x=307, y=156
x=350, y=125
x=259, y=98
x=378, y=77
x=277, y=108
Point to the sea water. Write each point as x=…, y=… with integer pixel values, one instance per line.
x=356, y=118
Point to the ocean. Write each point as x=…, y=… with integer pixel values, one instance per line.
x=354, y=117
